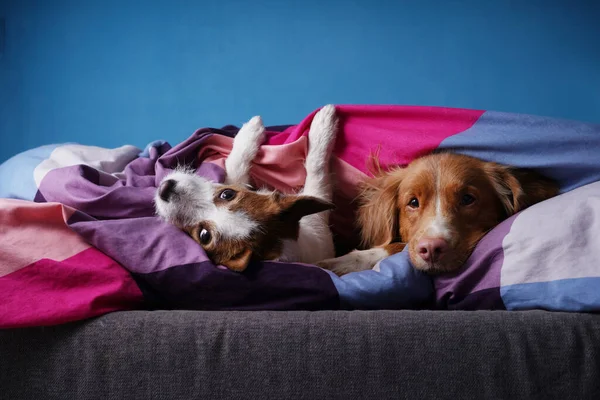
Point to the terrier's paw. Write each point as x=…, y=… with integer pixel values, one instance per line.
x=246, y=146
x=325, y=122
x=321, y=138
x=326, y=113
x=253, y=131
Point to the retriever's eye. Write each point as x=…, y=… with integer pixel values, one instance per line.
x=467, y=199
x=227, y=194
x=414, y=203
x=204, y=236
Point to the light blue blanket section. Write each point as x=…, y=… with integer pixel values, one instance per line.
x=146, y=152
x=575, y=295
x=567, y=151
x=16, y=173
x=397, y=286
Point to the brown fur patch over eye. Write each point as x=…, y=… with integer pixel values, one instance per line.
x=276, y=216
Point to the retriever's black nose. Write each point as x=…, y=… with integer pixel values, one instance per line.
x=165, y=190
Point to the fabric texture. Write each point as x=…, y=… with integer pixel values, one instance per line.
x=109, y=193
x=50, y=275
x=307, y=355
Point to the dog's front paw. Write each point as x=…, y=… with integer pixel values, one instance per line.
x=246, y=146
x=321, y=139
x=324, y=125
x=335, y=265
x=357, y=260
x=253, y=130
x=326, y=116
x=325, y=264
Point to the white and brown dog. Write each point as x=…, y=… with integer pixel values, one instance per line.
x=235, y=224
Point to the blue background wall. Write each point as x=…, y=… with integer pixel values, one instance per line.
x=109, y=72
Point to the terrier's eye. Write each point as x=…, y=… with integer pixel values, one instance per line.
x=467, y=199
x=413, y=203
x=227, y=194
x=204, y=236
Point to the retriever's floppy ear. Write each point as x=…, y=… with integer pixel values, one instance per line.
x=519, y=188
x=378, y=212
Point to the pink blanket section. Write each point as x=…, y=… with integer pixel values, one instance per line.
x=49, y=275
x=398, y=134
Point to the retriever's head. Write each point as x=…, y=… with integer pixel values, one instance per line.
x=441, y=205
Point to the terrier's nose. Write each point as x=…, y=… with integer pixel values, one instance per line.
x=166, y=189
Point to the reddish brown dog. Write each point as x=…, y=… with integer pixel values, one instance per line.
x=440, y=206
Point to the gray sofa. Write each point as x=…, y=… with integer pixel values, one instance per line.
x=306, y=355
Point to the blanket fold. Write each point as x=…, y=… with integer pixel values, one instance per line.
x=100, y=247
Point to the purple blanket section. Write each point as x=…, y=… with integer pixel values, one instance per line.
x=116, y=215
x=477, y=284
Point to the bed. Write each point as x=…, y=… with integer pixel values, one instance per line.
x=99, y=297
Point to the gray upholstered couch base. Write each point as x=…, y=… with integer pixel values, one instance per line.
x=306, y=355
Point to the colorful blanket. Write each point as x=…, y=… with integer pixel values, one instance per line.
x=79, y=237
